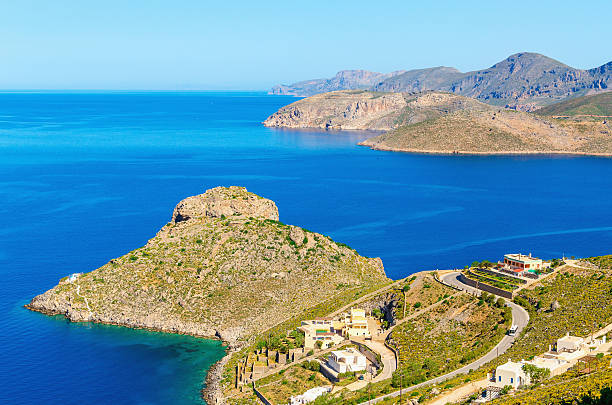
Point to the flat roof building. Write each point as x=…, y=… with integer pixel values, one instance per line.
x=356, y=324
x=520, y=262
x=512, y=374
x=320, y=330
x=569, y=343
x=342, y=361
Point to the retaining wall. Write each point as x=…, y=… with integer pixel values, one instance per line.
x=503, y=274
x=485, y=287
x=261, y=396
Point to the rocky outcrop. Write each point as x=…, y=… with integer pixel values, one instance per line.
x=225, y=202
x=224, y=267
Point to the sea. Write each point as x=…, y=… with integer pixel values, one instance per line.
x=88, y=176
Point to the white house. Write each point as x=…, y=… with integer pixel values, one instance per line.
x=554, y=364
x=342, y=361
x=569, y=343
x=309, y=395
x=511, y=374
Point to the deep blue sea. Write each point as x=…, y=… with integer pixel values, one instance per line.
x=86, y=177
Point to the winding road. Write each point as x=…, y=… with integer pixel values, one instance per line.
x=520, y=317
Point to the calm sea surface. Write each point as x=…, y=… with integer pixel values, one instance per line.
x=88, y=177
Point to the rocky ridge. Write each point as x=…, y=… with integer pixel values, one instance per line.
x=523, y=81
x=224, y=266
x=343, y=80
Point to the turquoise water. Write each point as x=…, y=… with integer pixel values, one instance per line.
x=85, y=177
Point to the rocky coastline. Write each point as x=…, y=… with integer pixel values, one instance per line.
x=445, y=124
x=374, y=146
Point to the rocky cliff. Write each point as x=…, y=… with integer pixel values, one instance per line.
x=523, y=81
x=341, y=110
x=224, y=266
x=343, y=80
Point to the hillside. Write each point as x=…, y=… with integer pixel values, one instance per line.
x=435, y=122
x=595, y=105
x=224, y=266
x=523, y=81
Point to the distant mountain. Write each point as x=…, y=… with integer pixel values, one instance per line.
x=595, y=105
x=344, y=80
x=524, y=81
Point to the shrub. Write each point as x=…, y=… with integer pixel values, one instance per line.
x=311, y=365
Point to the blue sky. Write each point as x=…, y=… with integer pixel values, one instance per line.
x=134, y=44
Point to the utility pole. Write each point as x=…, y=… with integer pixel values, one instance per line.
x=401, y=384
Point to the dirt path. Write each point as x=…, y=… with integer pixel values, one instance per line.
x=78, y=292
x=460, y=393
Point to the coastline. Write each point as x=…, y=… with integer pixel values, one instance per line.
x=487, y=153
x=211, y=389
x=437, y=151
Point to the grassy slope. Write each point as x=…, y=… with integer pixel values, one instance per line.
x=595, y=104
x=457, y=132
x=583, y=297
x=447, y=337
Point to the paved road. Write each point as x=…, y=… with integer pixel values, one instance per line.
x=520, y=317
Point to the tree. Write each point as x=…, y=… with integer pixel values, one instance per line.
x=536, y=374
x=500, y=303
x=506, y=389
x=475, y=263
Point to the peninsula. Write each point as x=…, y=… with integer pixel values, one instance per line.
x=445, y=123
x=224, y=266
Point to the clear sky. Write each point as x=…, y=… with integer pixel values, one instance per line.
x=190, y=44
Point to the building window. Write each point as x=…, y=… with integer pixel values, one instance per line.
x=499, y=378
x=511, y=380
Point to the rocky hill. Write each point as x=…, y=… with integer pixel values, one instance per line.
x=224, y=266
x=436, y=122
x=523, y=81
x=593, y=106
x=343, y=80
x=354, y=109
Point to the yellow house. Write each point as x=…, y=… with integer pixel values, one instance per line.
x=356, y=324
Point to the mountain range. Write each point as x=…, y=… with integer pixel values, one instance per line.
x=524, y=81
